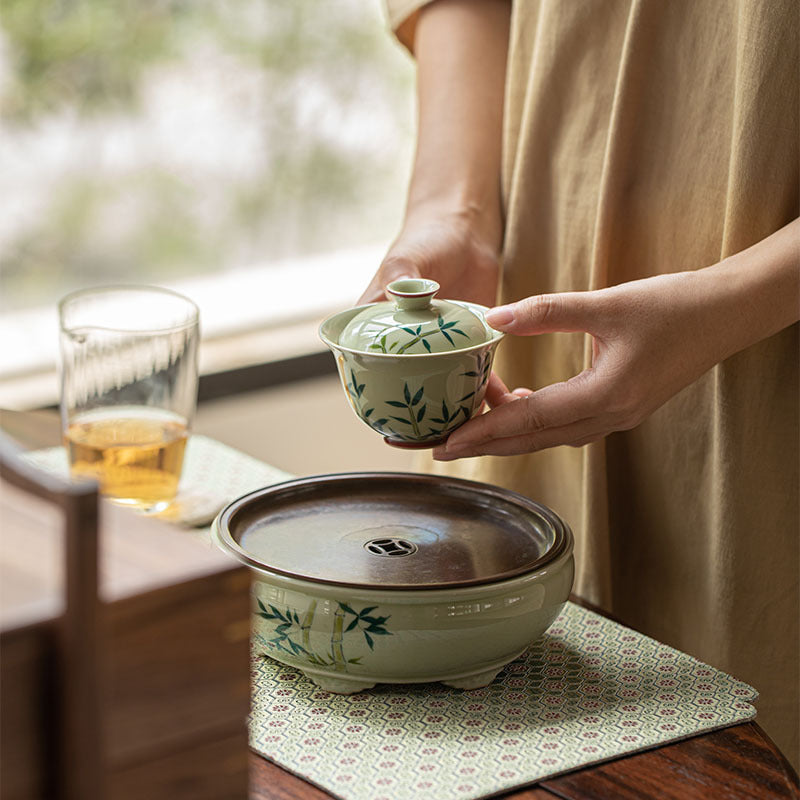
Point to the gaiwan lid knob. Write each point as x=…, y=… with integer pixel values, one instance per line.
x=413, y=322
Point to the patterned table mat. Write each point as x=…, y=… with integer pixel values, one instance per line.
x=588, y=691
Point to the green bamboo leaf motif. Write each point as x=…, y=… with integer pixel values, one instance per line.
x=368, y=412
x=277, y=613
x=466, y=397
x=426, y=345
x=396, y=404
x=421, y=413
x=406, y=393
x=448, y=337
x=418, y=396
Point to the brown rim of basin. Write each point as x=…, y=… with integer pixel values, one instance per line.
x=392, y=530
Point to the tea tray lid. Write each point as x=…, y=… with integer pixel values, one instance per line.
x=392, y=531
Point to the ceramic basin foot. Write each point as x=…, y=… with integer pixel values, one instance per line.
x=339, y=685
x=477, y=681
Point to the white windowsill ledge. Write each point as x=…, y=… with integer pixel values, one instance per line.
x=247, y=316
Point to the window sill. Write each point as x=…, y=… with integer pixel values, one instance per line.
x=261, y=315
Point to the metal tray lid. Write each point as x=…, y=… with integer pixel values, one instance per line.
x=384, y=530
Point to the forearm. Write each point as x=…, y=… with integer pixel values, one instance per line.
x=756, y=292
x=460, y=48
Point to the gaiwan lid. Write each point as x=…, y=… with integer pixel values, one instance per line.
x=413, y=322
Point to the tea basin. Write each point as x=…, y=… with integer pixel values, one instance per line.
x=437, y=600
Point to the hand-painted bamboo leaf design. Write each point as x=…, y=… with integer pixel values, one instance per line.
x=456, y=330
x=448, y=337
x=400, y=419
x=470, y=374
x=418, y=396
x=421, y=413
x=277, y=613
x=282, y=641
x=368, y=412
x=406, y=393
x=466, y=397
x=408, y=330
x=426, y=345
x=395, y=404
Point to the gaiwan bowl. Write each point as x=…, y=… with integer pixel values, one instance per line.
x=366, y=578
x=416, y=368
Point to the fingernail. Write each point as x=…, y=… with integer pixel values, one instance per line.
x=502, y=315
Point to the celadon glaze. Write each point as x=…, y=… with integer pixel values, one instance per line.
x=413, y=322
x=347, y=640
x=414, y=399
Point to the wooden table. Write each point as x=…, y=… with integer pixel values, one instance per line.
x=735, y=762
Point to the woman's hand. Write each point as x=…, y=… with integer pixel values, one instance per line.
x=651, y=338
x=446, y=248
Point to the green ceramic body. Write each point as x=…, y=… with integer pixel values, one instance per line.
x=347, y=640
x=414, y=399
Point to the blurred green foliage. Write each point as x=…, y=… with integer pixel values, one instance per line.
x=311, y=189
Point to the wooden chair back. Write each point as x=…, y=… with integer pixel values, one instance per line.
x=78, y=676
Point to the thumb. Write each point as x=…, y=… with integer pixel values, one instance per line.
x=393, y=268
x=547, y=313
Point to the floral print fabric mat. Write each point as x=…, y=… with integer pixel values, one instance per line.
x=589, y=690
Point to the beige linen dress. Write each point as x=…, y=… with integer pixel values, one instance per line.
x=644, y=137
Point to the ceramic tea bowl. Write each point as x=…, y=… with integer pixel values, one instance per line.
x=366, y=578
x=416, y=368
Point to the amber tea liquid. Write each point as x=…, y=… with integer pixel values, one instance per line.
x=136, y=454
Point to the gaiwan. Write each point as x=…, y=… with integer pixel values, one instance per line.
x=416, y=367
